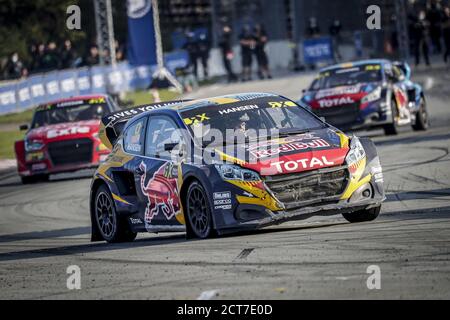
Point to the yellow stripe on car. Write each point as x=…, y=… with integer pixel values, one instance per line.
x=117, y=198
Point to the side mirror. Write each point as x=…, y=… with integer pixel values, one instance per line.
x=170, y=146
x=23, y=127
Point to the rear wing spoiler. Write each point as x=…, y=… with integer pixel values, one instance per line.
x=112, y=125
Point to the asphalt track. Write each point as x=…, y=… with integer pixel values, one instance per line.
x=44, y=228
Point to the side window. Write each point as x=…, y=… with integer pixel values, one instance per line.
x=389, y=73
x=161, y=131
x=134, y=138
x=398, y=73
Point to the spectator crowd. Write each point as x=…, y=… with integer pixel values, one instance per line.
x=50, y=57
x=429, y=31
x=253, y=43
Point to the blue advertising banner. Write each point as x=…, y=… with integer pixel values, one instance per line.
x=317, y=50
x=44, y=88
x=8, y=100
x=141, y=33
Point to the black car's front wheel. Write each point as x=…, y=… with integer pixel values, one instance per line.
x=112, y=227
x=362, y=215
x=198, y=212
x=421, y=122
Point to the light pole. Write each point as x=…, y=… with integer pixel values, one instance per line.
x=105, y=32
x=161, y=71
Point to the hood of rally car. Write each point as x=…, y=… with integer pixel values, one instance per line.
x=297, y=153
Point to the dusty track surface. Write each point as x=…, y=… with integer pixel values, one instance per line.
x=44, y=228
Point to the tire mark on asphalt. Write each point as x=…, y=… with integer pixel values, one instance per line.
x=244, y=254
x=400, y=166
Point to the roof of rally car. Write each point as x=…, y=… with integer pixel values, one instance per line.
x=219, y=100
x=354, y=64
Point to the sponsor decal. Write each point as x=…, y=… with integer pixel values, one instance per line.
x=338, y=91
x=161, y=191
x=294, y=165
x=125, y=114
x=97, y=100
x=195, y=119
x=238, y=109
x=282, y=104
x=69, y=103
x=326, y=103
x=288, y=147
x=135, y=221
x=38, y=166
x=222, y=200
x=65, y=132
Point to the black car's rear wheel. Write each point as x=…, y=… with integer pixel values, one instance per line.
x=362, y=215
x=112, y=227
x=35, y=178
x=198, y=212
x=421, y=117
x=392, y=128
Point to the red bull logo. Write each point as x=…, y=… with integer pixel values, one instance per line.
x=161, y=191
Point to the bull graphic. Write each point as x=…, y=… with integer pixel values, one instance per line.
x=161, y=191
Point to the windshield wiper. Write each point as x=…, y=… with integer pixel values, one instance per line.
x=292, y=132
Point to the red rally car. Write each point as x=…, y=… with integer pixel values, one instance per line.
x=63, y=137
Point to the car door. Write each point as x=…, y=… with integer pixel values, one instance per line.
x=396, y=79
x=157, y=173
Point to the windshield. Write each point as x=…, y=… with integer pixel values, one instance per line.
x=69, y=112
x=263, y=116
x=348, y=76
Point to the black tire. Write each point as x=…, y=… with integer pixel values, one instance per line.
x=35, y=179
x=362, y=215
x=111, y=226
x=28, y=180
x=422, y=122
x=392, y=128
x=199, y=220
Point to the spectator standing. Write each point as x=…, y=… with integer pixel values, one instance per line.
x=93, y=57
x=260, y=36
x=420, y=37
x=50, y=60
x=68, y=55
x=313, y=28
x=14, y=67
x=203, y=53
x=120, y=51
x=434, y=17
x=191, y=46
x=446, y=33
x=335, y=33
x=37, y=56
x=248, y=43
x=227, y=53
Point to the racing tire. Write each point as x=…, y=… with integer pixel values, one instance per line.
x=112, y=227
x=392, y=128
x=34, y=179
x=422, y=122
x=362, y=215
x=199, y=220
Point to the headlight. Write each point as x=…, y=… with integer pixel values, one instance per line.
x=374, y=95
x=307, y=98
x=33, y=145
x=234, y=172
x=356, y=152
